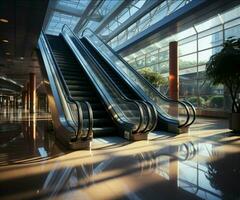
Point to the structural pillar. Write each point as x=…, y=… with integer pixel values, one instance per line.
x=32, y=91
x=24, y=94
x=16, y=102
x=47, y=104
x=7, y=101
x=28, y=92
x=173, y=77
x=173, y=71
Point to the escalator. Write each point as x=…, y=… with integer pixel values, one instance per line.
x=135, y=118
x=80, y=86
x=84, y=102
x=174, y=116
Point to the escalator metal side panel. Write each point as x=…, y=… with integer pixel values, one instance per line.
x=64, y=133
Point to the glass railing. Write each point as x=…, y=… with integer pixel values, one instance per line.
x=181, y=113
x=68, y=108
x=140, y=115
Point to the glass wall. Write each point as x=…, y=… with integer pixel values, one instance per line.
x=196, y=45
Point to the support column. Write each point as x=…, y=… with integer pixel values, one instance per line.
x=28, y=97
x=7, y=101
x=47, y=104
x=173, y=77
x=16, y=102
x=32, y=87
x=173, y=71
x=24, y=94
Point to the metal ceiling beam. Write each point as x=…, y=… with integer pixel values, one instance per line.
x=92, y=6
x=147, y=7
x=76, y=12
x=112, y=15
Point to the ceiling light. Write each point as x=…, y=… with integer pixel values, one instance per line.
x=3, y=20
x=6, y=41
x=21, y=58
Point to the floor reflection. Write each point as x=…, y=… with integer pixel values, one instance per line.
x=26, y=138
x=34, y=166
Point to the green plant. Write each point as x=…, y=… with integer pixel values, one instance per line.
x=153, y=77
x=216, y=101
x=194, y=100
x=224, y=68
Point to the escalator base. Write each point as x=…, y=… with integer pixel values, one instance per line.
x=79, y=145
x=138, y=137
x=177, y=130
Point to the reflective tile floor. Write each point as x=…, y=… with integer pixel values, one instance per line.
x=204, y=164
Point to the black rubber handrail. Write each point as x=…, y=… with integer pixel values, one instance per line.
x=187, y=123
x=138, y=103
x=69, y=98
x=193, y=110
x=186, y=108
x=45, y=49
x=149, y=126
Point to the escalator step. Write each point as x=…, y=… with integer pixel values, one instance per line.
x=70, y=70
x=82, y=93
x=106, y=131
x=101, y=122
x=76, y=74
x=74, y=77
x=96, y=113
x=97, y=106
x=76, y=82
x=89, y=99
x=83, y=88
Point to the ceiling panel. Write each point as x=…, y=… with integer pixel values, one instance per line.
x=25, y=19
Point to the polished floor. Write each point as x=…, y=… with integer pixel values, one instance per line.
x=204, y=164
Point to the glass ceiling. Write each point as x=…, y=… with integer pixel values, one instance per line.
x=104, y=9
x=58, y=20
x=122, y=17
x=70, y=12
x=78, y=4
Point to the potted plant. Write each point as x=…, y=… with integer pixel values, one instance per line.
x=224, y=68
x=153, y=77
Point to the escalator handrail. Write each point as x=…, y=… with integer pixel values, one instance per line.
x=155, y=115
x=80, y=43
x=186, y=108
x=187, y=123
x=193, y=110
x=46, y=52
x=103, y=94
x=150, y=126
x=137, y=103
x=76, y=102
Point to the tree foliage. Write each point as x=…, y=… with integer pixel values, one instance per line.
x=153, y=77
x=224, y=68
